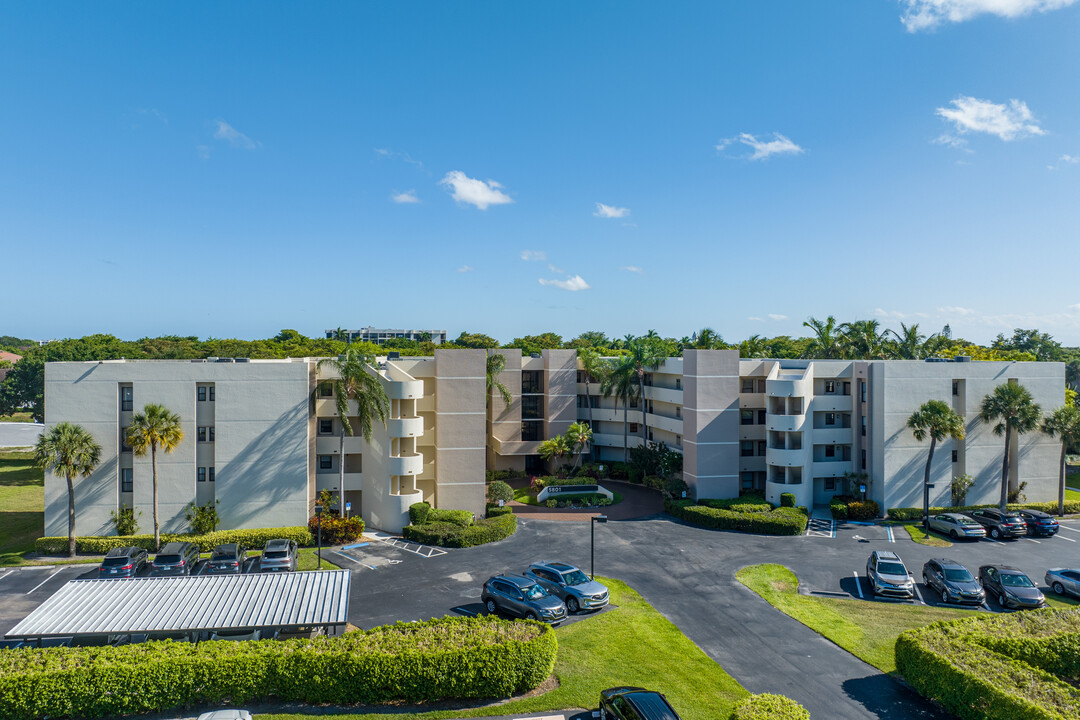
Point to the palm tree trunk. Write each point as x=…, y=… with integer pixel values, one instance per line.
x=341, y=471
x=644, y=408
x=926, y=484
x=1004, y=500
x=71, y=515
x=153, y=466
x=1061, y=482
x=588, y=406
x=625, y=431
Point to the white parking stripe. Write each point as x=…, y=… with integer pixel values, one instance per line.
x=891, y=538
x=858, y=584
x=1034, y=540
x=917, y=592
x=1069, y=528
x=1066, y=538
x=46, y=580
x=6, y=574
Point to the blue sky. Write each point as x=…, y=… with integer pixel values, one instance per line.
x=230, y=169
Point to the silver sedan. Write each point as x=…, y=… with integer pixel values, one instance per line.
x=1064, y=581
x=957, y=526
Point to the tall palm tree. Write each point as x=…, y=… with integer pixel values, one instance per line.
x=594, y=368
x=753, y=347
x=155, y=427
x=555, y=448
x=1012, y=409
x=861, y=339
x=356, y=380
x=826, y=342
x=620, y=382
x=1063, y=423
x=68, y=450
x=908, y=344
x=578, y=436
x=496, y=363
x=708, y=339
x=935, y=420
x=645, y=355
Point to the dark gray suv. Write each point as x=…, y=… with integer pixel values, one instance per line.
x=522, y=596
x=175, y=558
x=227, y=559
x=953, y=581
x=570, y=585
x=124, y=562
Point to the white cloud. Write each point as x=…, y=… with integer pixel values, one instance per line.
x=203, y=151
x=755, y=318
x=954, y=310
x=779, y=145
x=610, y=211
x=407, y=197
x=465, y=268
x=1070, y=159
x=391, y=154
x=532, y=255
x=475, y=192
x=1007, y=122
x=573, y=284
x=957, y=143
x=554, y=269
x=928, y=14
x=774, y=316
x=897, y=314
x=633, y=269
x=234, y=137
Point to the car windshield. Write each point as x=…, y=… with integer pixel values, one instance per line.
x=1015, y=580
x=115, y=562
x=533, y=592
x=965, y=520
x=576, y=577
x=276, y=554
x=958, y=575
x=890, y=568
x=167, y=559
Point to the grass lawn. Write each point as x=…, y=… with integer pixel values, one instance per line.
x=933, y=539
x=527, y=497
x=630, y=645
x=22, y=506
x=17, y=417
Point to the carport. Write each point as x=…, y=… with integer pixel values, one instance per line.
x=191, y=608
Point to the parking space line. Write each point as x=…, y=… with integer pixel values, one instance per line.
x=1066, y=538
x=46, y=579
x=858, y=584
x=463, y=611
x=917, y=591
x=6, y=574
x=832, y=525
x=1067, y=527
x=891, y=538
x=1038, y=542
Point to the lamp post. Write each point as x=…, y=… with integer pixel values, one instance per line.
x=318, y=514
x=592, y=541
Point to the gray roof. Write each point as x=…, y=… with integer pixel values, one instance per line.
x=177, y=604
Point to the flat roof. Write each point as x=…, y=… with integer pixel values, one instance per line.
x=182, y=604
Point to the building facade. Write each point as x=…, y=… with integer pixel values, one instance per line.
x=379, y=336
x=262, y=437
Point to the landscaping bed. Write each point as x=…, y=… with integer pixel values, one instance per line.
x=749, y=513
x=99, y=545
x=913, y=513
x=457, y=528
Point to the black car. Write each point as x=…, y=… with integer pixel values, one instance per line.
x=1000, y=523
x=1039, y=523
x=953, y=581
x=227, y=559
x=175, y=558
x=1012, y=588
x=123, y=562
x=634, y=703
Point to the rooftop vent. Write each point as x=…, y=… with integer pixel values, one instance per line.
x=534, y=355
x=241, y=359
x=393, y=355
x=937, y=359
x=962, y=358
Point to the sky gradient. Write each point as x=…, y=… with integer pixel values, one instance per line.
x=231, y=169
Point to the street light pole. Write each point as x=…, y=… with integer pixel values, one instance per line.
x=318, y=514
x=592, y=542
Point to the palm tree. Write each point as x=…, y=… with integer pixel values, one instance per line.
x=1013, y=409
x=555, y=448
x=496, y=363
x=619, y=381
x=708, y=339
x=908, y=344
x=1064, y=423
x=935, y=420
x=356, y=380
x=644, y=356
x=826, y=342
x=578, y=436
x=594, y=368
x=68, y=450
x=155, y=427
x=862, y=340
x=753, y=347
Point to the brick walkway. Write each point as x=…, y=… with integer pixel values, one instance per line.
x=638, y=501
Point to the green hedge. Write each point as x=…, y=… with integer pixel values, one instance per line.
x=503, y=475
x=480, y=532
x=997, y=667
x=845, y=507
x=786, y=500
x=496, y=511
x=462, y=518
x=418, y=513
x=448, y=658
x=769, y=707
x=254, y=539
x=539, y=483
x=911, y=513
x=779, y=521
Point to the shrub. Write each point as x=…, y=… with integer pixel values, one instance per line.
x=551, y=502
x=675, y=488
x=336, y=530
x=418, y=513
x=126, y=520
x=498, y=490
x=743, y=503
x=910, y=513
x=863, y=510
x=456, y=536
x=94, y=545
x=503, y=475
x=203, y=518
x=769, y=707
x=496, y=511
x=786, y=500
x=447, y=658
x=781, y=521
x=464, y=518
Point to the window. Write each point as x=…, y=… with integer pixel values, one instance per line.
x=748, y=385
x=634, y=401
x=746, y=448
x=211, y=393
x=326, y=462
x=746, y=480
x=830, y=418
x=761, y=446
x=326, y=426
x=955, y=387
x=830, y=451
x=581, y=401
x=678, y=441
x=760, y=385
x=955, y=456
x=124, y=447
x=211, y=474
x=830, y=386
x=531, y=430
x=760, y=417
x=532, y=407
x=633, y=427
x=830, y=483
x=211, y=429
x=847, y=388
x=863, y=422
x=202, y=434
x=326, y=390
x=678, y=383
x=863, y=461
x=650, y=436
x=746, y=417
x=678, y=412
x=862, y=391
x=126, y=482
x=201, y=393
x=595, y=400
x=202, y=474
x=126, y=398
x=530, y=382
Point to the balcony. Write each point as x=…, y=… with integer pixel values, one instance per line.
x=404, y=390
x=785, y=458
x=329, y=444
x=785, y=423
x=833, y=436
x=611, y=415
x=405, y=427
x=611, y=440
x=832, y=403
x=410, y=464
x=329, y=481
x=832, y=469
x=661, y=422
x=514, y=447
x=659, y=394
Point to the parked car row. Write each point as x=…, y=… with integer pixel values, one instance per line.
x=998, y=524
x=180, y=558
x=547, y=591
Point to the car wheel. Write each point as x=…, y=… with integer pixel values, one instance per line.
x=603, y=714
x=492, y=608
x=1059, y=588
x=945, y=598
x=572, y=605
x=1001, y=600
x=531, y=616
x=954, y=535
x=995, y=533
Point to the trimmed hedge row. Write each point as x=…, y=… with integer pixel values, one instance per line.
x=491, y=529
x=910, y=513
x=461, y=518
x=448, y=658
x=100, y=545
x=997, y=667
x=779, y=521
x=769, y=707
x=845, y=507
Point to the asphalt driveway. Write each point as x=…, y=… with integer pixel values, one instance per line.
x=15, y=434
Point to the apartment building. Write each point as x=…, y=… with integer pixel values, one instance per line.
x=379, y=336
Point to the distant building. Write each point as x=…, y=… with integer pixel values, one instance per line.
x=9, y=357
x=379, y=336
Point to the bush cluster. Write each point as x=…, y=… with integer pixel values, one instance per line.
x=770, y=521
x=498, y=490
x=336, y=530
x=93, y=545
x=910, y=513
x=461, y=518
x=503, y=475
x=541, y=482
x=580, y=500
x=613, y=470
x=447, y=658
x=846, y=507
x=418, y=513
x=496, y=511
x=786, y=500
x=769, y=707
x=445, y=534
x=997, y=667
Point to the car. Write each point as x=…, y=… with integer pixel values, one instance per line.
x=522, y=596
x=1064, y=580
x=1039, y=523
x=1000, y=523
x=887, y=575
x=953, y=581
x=123, y=562
x=279, y=554
x=226, y=715
x=570, y=585
x=175, y=558
x=957, y=525
x=1012, y=588
x=634, y=703
x=227, y=559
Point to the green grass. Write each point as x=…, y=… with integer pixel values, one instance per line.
x=630, y=645
x=22, y=506
x=865, y=629
x=933, y=538
x=527, y=497
x=17, y=417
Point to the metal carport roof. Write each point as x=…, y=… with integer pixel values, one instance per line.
x=182, y=604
